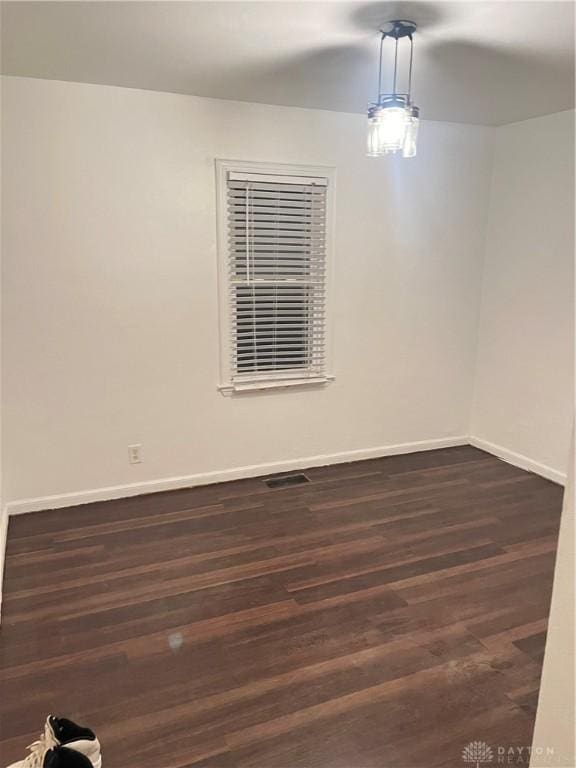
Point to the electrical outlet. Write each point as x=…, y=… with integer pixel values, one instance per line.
x=135, y=453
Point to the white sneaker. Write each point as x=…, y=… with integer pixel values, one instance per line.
x=58, y=732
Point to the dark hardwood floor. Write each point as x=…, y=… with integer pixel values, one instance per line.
x=383, y=615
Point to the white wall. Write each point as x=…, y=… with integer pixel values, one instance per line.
x=524, y=380
x=111, y=314
x=3, y=510
x=555, y=718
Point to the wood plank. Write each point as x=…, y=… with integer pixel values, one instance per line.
x=387, y=612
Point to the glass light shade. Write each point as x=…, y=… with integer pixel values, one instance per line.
x=392, y=129
x=411, y=136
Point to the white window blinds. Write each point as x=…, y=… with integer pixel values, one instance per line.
x=277, y=276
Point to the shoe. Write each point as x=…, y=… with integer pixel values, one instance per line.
x=57, y=757
x=59, y=732
x=62, y=757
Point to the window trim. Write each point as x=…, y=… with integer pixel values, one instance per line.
x=223, y=167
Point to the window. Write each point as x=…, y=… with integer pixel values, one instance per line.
x=273, y=243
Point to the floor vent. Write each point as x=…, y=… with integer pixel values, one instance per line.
x=281, y=481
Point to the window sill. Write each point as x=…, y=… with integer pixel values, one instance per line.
x=255, y=386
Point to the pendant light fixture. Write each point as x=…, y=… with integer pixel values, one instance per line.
x=393, y=118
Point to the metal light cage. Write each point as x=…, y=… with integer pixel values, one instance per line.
x=393, y=119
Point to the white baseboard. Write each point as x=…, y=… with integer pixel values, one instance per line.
x=21, y=506
x=519, y=460
x=58, y=501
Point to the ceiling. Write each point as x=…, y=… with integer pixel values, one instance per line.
x=475, y=62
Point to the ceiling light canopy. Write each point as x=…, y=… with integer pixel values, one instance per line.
x=393, y=118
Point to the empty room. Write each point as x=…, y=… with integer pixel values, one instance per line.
x=287, y=384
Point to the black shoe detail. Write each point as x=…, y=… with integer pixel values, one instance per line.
x=62, y=757
x=66, y=730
